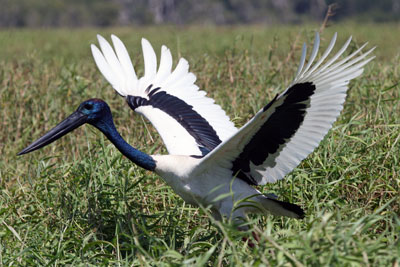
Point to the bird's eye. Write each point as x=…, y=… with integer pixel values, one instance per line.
x=88, y=106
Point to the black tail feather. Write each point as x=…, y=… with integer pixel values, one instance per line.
x=290, y=207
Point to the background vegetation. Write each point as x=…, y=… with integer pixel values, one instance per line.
x=79, y=201
x=77, y=13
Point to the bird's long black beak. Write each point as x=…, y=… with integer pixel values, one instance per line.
x=73, y=121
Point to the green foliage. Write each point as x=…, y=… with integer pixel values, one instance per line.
x=78, y=201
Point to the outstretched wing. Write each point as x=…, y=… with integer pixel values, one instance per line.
x=292, y=125
x=188, y=122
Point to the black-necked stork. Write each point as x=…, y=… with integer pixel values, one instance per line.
x=212, y=163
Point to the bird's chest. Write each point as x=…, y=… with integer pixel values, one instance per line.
x=176, y=171
x=198, y=189
x=183, y=189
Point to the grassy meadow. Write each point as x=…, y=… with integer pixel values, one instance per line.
x=79, y=202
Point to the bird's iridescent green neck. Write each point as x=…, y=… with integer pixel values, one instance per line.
x=106, y=125
x=138, y=157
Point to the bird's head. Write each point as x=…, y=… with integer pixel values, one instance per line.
x=93, y=111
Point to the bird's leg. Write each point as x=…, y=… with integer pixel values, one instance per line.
x=249, y=241
x=255, y=236
x=247, y=238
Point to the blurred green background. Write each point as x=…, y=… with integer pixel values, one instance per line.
x=77, y=13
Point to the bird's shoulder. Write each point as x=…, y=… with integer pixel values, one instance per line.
x=180, y=165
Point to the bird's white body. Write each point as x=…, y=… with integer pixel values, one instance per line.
x=212, y=163
x=178, y=172
x=212, y=186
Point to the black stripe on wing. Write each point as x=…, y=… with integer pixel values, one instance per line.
x=205, y=136
x=276, y=131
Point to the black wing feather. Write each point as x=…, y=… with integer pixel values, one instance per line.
x=276, y=131
x=205, y=136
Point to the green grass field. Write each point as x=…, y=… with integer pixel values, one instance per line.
x=79, y=202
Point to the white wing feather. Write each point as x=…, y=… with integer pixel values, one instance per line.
x=116, y=66
x=331, y=83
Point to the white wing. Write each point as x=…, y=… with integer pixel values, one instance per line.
x=188, y=122
x=292, y=125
